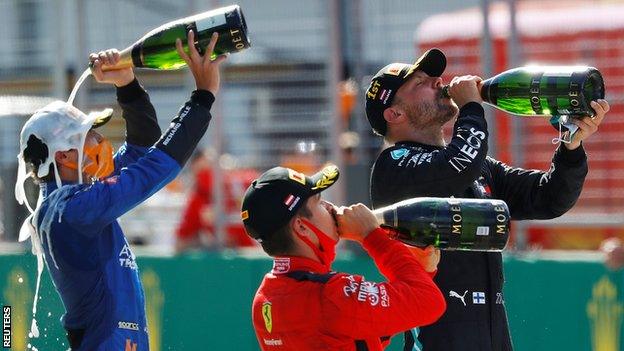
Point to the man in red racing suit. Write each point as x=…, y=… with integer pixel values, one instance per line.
x=302, y=304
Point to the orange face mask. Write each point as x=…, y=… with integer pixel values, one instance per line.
x=98, y=159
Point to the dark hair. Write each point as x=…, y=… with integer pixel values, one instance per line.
x=34, y=154
x=281, y=242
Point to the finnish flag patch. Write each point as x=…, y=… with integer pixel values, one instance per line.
x=478, y=298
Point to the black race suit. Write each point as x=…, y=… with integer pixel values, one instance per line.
x=462, y=169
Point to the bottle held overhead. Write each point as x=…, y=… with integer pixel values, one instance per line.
x=448, y=223
x=157, y=50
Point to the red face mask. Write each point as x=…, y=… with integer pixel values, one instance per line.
x=98, y=159
x=327, y=251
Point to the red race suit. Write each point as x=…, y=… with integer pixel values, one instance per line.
x=301, y=305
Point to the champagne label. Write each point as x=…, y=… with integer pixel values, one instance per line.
x=210, y=22
x=575, y=95
x=456, y=217
x=502, y=220
x=535, y=93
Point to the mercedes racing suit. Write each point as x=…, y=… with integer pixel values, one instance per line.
x=88, y=257
x=301, y=305
x=472, y=282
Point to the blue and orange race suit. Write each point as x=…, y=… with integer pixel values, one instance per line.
x=91, y=264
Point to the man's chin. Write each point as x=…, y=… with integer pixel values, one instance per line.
x=448, y=113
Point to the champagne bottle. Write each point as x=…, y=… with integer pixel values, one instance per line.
x=157, y=50
x=448, y=223
x=544, y=90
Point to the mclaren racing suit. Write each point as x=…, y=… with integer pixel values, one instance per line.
x=472, y=282
x=88, y=257
x=301, y=305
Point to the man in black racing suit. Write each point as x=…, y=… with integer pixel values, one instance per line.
x=405, y=105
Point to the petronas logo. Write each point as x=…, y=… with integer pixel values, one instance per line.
x=18, y=295
x=154, y=300
x=605, y=316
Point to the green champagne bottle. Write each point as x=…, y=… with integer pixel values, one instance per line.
x=448, y=223
x=544, y=90
x=157, y=50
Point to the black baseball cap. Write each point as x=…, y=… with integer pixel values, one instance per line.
x=274, y=198
x=389, y=79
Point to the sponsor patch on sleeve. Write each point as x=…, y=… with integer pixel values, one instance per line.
x=367, y=292
x=399, y=154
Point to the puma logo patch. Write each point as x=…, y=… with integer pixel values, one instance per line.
x=452, y=293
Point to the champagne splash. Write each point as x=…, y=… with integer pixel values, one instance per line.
x=34, y=328
x=83, y=76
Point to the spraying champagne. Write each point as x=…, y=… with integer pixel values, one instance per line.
x=156, y=50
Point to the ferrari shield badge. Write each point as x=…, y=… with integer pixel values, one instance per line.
x=266, y=315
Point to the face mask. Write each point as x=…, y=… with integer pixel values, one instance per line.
x=327, y=251
x=98, y=160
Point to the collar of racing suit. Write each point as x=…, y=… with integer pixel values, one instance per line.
x=286, y=264
x=417, y=144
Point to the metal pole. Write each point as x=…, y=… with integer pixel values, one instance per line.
x=487, y=62
x=81, y=60
x=334, y=74
x=218, y=179
x=359, y=124
x=59, y=66
x=515, y=59
x=486, y=40
x=355, y=173
x=515, y=55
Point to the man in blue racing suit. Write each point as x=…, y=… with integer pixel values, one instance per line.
x=74, y=226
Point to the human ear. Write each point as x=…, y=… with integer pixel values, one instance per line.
x=393, y=114
x=298, y=227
